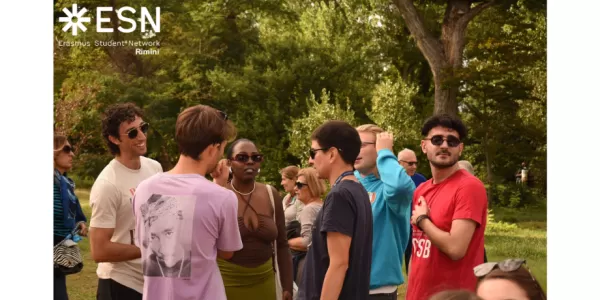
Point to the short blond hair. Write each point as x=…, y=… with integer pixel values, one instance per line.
x=316, y=186
x=372, y=128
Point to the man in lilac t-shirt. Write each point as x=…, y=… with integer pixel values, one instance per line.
x=184, y=221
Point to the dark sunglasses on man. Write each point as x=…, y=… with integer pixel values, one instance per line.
x=133, y=132
x=244, y=158
x=313, y=152
x=438, y=140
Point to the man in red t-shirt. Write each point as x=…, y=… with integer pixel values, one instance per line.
x=449, y=216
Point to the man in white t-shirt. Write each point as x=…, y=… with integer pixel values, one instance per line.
x=112, y=223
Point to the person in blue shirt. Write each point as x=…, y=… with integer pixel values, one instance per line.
x=390, y=191
x=408, y=159
x=67, y=209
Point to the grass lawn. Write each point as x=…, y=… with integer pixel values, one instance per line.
x=523, y=236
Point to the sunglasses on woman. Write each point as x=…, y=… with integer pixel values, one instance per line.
x=133, y=132
x=245, y=157
x=300, y=185
x=67, y=149
x=438, y=140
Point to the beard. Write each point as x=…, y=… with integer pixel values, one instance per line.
x=443, y=164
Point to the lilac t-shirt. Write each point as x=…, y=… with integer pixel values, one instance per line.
x=181, y=221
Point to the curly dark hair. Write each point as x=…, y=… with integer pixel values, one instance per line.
x=446, y=121
x=112, y=119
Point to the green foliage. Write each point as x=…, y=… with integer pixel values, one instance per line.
x=318, y=113
x=262, y=62
x=392, y=110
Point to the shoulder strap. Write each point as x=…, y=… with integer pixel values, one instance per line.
x=272, y=202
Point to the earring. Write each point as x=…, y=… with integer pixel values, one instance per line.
x=258, y=171
x=230, y=170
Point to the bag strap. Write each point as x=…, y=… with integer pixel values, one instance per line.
x=275, y=264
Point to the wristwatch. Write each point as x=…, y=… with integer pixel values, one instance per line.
x=421, y=218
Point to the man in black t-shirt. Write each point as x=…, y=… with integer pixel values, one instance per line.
x=338, y=263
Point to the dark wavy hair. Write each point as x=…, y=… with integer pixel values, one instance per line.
x=446, y=121
x=112, y=119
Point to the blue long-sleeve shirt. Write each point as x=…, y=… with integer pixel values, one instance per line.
x=391, y=198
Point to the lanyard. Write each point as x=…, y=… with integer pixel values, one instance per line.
x=347, y=173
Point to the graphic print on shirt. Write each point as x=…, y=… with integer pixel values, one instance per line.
x=421, y=245
x=168, y=225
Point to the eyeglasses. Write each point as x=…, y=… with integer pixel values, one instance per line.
x=438, y=140
x=223, y=115
x=410, y=163
x=508, y=265
x=67, y=149
x=300, y=185
x=364, y=144
x=245, y=157
x=133, y=132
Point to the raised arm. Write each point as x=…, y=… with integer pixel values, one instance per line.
x=396, y=181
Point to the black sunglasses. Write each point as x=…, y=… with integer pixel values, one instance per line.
x=245, y=157
x=67, y=149
x=300, y=185
x=313, y=152
x=438, y=140
x=410, y=163
x=133, y=132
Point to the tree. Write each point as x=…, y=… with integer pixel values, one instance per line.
x=444, y=54
x=318, y=113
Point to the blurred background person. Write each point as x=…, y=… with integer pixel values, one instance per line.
x=508, y=279
x=67, y=209
x=309, y=189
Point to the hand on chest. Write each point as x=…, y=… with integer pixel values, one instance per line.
x=441, y=208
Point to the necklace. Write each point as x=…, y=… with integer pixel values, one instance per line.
x=245, y=194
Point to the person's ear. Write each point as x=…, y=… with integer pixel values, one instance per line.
x=114, y=140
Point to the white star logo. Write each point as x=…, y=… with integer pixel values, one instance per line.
x=69, y=19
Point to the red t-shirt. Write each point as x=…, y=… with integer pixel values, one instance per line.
x=460, y=196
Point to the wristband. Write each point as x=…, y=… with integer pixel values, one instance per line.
x=421, y=218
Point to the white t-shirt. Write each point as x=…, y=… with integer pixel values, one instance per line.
x=110, y=200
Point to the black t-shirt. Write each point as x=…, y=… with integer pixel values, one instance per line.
x=346, y=210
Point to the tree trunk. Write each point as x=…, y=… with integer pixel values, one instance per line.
x=444, y=55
